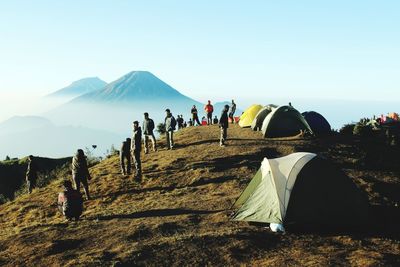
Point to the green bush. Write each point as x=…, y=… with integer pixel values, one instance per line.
x=347, y=129
x=160, y=128
x=362, y=130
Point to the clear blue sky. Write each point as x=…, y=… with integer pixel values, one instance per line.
x=323, y=49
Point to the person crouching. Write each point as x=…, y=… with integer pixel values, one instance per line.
x=70, y=202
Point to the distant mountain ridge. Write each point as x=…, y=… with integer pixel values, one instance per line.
x=80, y=87
x=18, y=124
x=135, y=86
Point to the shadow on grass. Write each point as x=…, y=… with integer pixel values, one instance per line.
x=156, y=213
x=383, y=223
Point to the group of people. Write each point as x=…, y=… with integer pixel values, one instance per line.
x=209, y=109
x=70, y=201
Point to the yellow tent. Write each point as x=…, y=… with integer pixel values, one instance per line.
x=248, y=116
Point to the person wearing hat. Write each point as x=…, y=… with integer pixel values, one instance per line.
x=209, y=109
x=170, y=124
x=136, y=148
x=148, y=128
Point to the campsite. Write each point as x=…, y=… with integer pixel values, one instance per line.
x=181, y=214
x=199, y=133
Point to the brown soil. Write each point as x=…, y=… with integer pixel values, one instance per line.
x=179, y=215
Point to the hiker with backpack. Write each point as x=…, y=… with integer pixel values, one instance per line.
x=195, y=116
x=209, y=109
x=31, y=173
x=80, y=172
x=148, y=132
x=224, y=124
x=170, y=124
x=70, y=202
x=136, y=148
x=125, y=155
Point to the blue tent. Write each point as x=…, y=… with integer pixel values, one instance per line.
x=319, y=125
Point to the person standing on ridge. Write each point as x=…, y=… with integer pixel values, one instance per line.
x=195, y=116
x=209, y=109
x=148, y=128
x=31, y=173
x=136, y=148
x=80, y=172
x=125, y=155
x=170, y=124
x=224, y=124
x=180, y=122
x=232, y=111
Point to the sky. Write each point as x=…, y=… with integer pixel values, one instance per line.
x=247, y=50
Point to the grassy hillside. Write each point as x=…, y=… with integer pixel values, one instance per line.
x=12, y=174
x=179, y=215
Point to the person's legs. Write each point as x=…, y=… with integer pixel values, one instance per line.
x=153, y=140
x=86, y=187
x=77, y=183
x=29, y=185
x=221, y=139
x=209, y=118
x=231, y=117
x=171, y=133
x=122, y=163
x=146, y=142
x=167, y=138
x=128, y=163
x=138, y=165
x=225, y=134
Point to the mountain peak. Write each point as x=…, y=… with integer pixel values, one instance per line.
x=135, y=86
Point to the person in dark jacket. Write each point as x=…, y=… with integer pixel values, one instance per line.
x=223, y=124
x=195, y=116
x=136, y=148
x=232, y=111
x=209, y=109
x=215, y=121
x=180, y=122
x=125, y=155
x=148, y=132
x=31, y=173
x=170, y=124
x=70, y=202
x=80, y=172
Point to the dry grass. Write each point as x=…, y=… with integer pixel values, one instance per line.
x=179, y=214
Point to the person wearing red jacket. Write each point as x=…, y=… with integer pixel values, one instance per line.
x=209, y=109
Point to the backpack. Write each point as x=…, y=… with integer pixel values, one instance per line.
x=151, y=125
x=173, y=123
x=72, y=205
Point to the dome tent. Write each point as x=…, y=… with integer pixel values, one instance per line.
x=304, y=189
x=284, y=121
x=318, y=124
x=258, y=120
x=248, y=115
